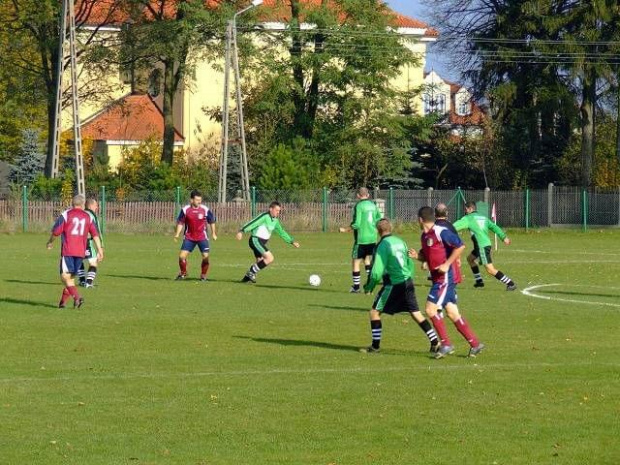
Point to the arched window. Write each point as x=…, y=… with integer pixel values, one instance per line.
x=155, y=83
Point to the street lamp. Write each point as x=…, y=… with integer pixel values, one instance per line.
x=231, y=37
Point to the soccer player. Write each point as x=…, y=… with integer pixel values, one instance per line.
x=194, y=218
x=364, y=227
x=87, y=279
x=261, y=228
x=74, y=226
x=440, y=249
x=392, y=266
x=479, y=226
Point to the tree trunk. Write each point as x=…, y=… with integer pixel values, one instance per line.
x=586, y=111
x=169, y=91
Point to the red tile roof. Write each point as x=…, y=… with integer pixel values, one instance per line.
x=111, y=12
x=131, y=118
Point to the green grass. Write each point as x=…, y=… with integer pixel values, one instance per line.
x=153, y=371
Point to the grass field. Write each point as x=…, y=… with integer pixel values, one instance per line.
x=153, y=371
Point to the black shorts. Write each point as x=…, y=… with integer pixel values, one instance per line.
x=396, y=298
x=361, y=251
x=483, y=255
x=258, y=246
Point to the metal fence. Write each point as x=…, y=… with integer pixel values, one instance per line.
x=322, y=209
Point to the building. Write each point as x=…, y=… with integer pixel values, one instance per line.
x=132, y=112
x=461, y=114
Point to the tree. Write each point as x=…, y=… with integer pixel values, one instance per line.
x=30, y=161
x=172, y=34
x=331, y=86
x=36, y=23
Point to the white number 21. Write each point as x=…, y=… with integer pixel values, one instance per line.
x=78, y=227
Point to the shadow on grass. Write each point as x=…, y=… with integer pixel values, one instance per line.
x=32, y=303
x=21, y=281
x=298, y=288
x=301, y=343
x=131, y=276
x=573, y=293
x=343, y=307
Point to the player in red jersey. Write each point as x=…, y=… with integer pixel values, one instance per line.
x=441, y=249
x=73, y=227
x=194, y=218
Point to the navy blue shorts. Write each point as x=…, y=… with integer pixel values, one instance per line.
x=189, y=246
x=70, y=265
x=442, y=294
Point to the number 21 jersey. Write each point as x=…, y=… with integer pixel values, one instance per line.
x=73, y=226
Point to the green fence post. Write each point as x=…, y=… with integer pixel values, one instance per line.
x=459, y=204
x=391, y=204
x=177, y=201
x=102, y=209
x=24, y=208
x=527, y=209
x=584, y=209
x=253, y=201
x=325, y=209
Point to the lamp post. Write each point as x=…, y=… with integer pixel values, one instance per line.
x=231, y=37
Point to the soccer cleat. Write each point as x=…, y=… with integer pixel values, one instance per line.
x=89, y=285
x=180, y=277
x=249, y=277
x=61, y=305
x=476, y=350
x=355, y=290
x=370, y=350
x=479, y=284
x=443, y=351
x=82, y=283
x=203, y=278
x=511, y=287
x=78, y=303
x=434, y=348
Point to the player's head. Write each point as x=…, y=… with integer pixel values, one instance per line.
x=470, y=207
x=274, y=209
x=426, y=215
x=441, y=210
x=79, y=201
x=195, y=198
x=362, y=193
x=384, y=227
x=92, y=205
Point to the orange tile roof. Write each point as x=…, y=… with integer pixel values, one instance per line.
x=111, y=12
x=131, y=118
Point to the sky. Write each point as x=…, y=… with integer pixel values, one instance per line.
x=416, y=9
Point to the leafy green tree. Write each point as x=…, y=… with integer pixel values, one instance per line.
x=173, y=34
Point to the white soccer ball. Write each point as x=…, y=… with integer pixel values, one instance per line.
x=314, y=280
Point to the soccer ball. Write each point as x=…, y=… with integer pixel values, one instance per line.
x=314, y=280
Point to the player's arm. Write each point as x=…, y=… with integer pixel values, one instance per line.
x=376, y=273
x=180, y=224
x=355, y=224
x=99, y=245
x=457, y=245
x=56, y=231
x=461, y=224
x=211, y=222
x=285, y=236
x=497, y=230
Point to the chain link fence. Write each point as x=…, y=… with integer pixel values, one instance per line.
x=319, y=209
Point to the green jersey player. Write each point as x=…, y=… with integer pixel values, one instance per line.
x=393, y=266
x=479, y=226
x=87, y=279
x=261, y=229
x=364, y=227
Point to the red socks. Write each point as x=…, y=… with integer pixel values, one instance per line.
x=466, y=331
x=205, y=267
x=183, y=266
x=440, y=328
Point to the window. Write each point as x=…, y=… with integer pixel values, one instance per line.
x=434, y=103
x=155, y=83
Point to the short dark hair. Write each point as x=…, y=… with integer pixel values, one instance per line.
x=426, y=214
x=275, y=203
x=195, y=193
x=471, y=205
x=441, y=210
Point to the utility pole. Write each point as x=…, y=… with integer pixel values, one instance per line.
x=67, y=39
x=232, y=59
